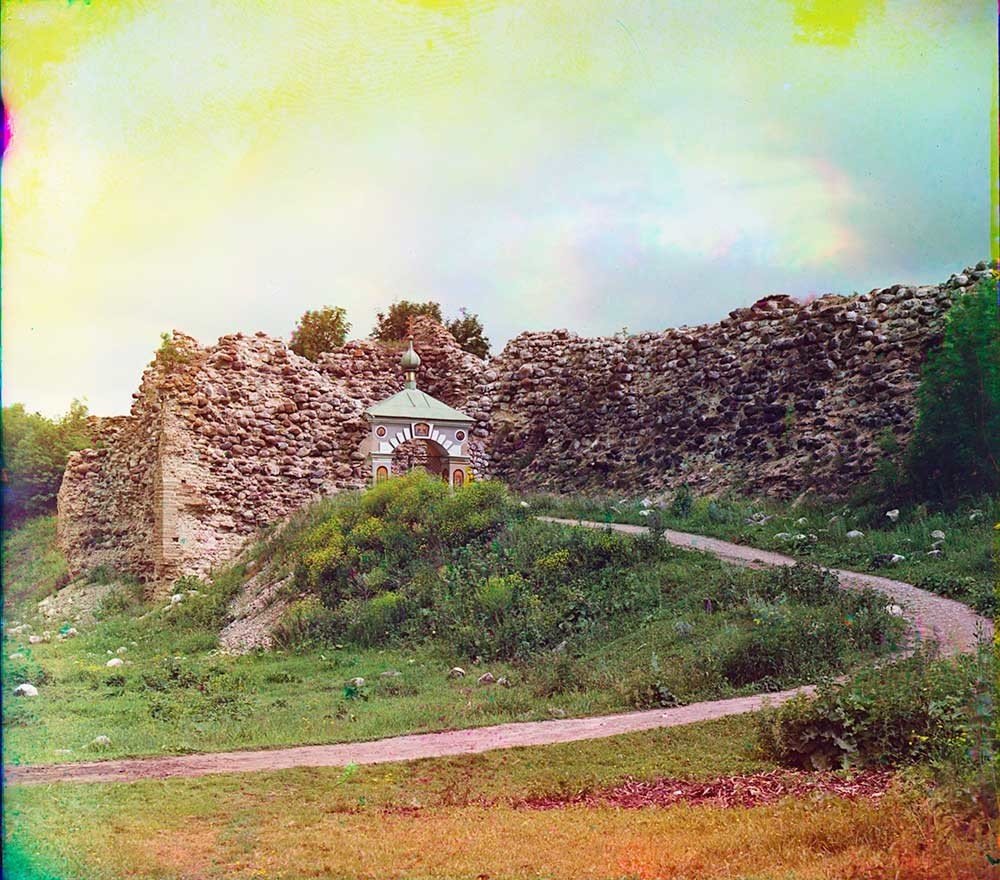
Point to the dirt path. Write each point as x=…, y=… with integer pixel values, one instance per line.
x=956, y=626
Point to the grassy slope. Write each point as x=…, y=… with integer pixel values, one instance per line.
x=33, y=566
x=966, y=570
x=176, y=694
x=362, y=822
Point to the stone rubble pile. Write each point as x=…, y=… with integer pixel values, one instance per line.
x=780, y=397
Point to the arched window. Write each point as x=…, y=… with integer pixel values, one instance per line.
x=458, y=478
x=381, y=474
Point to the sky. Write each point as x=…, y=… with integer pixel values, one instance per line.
x=223, y=166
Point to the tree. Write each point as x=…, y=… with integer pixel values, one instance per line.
x=955, y=448
x=466, y=328
x=468, y=332
x=34, y=457
x=395, y=325
x=322, y=330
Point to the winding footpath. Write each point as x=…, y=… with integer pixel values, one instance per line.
x=956, y=627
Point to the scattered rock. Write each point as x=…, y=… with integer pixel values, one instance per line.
x=25, y=690
x=556, y=712
x=17, y=655
x=487, y=678
x=176, y=598
x=391, y=673
x=71, y=633
x=357, y=682
x=503, y=681
x=122, y=650
x=937, y=535
x=854, y=535
x=881, y=560
x=456, y=672
x=100, y=742
x=894, y=610
x=975, y=514
x=893, y=514
x=114, y=662
x=35, y=640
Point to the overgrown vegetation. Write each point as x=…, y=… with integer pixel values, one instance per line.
x=921, y=710
x=394, y=325
x=409, y=579
x=961, y=565
x=408, y=561
x=318, y=331
x=35, y=449
x=955, y=450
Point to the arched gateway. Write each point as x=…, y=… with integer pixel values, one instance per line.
x=413, y=415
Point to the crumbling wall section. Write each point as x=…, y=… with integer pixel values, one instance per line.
x=781, y=397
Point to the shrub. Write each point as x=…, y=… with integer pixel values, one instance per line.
x=920, y=709
x=469, y=334
x=955, y=449
x=378, y=619
x=208, y=608
x=319, y=331
x=35, y=449
x=395, y=324
x=682, y=502
x=302, y=622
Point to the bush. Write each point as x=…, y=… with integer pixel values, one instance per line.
x=682, y=502
x=318, y=331
x=919, y=709
x=378, y=619
x=304, y=621
x=35, y=449
x=955, y=449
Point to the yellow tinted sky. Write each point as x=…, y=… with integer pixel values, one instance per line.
x=222, y=166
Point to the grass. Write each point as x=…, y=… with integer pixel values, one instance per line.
x=33, y=566
x=966, y=569
x=176, y=693
x=456, y=817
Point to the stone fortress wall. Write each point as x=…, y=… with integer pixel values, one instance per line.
x=781, y=397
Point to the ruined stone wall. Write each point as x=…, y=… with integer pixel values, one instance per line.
x=226, y=439
x=780, y=397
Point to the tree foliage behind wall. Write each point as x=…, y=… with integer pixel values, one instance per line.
x=468, y=332
x=394, y=325
x=467, y=329
x=321, y=330
x=955, y=448
x=34, y=457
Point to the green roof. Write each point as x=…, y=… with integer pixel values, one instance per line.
x=410, y=403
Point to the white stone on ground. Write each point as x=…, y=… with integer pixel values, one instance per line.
x=25, y=690
x=456, y=672
x=115, y=661
x=854, y=534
